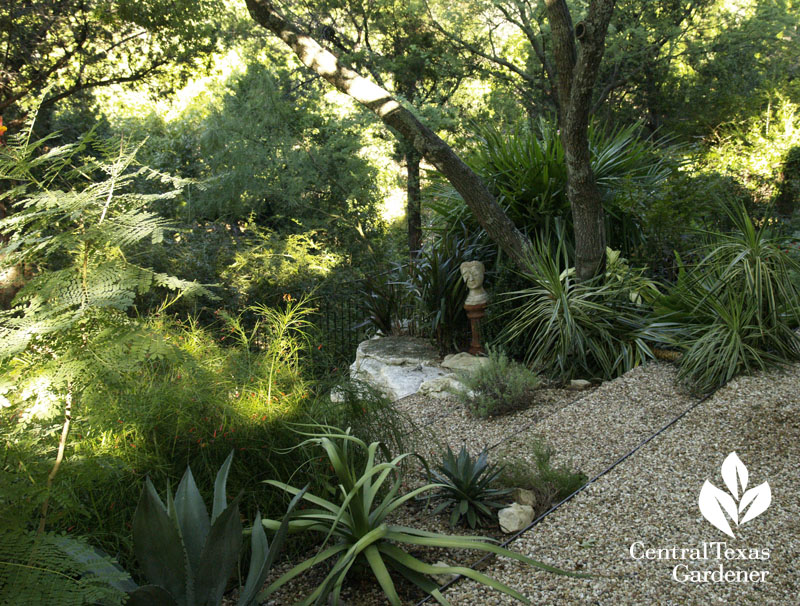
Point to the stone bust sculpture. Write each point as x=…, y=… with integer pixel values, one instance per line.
x=472, y=274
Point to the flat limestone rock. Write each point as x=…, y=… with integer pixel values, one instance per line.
x=398, y=351
x=464, y=361
x=441, y=387
x=396, y=366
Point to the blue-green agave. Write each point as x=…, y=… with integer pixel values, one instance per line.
x=467, y=487
x=187, y=556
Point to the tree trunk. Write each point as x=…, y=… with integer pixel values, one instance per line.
x=586, y=204
x=478, y=198
x=414, y=202
x=577, y=72
x=12, y=278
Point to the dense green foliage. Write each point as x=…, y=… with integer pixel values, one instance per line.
x=66, y=570
x=736, y=310
x=75, y=46
x=192, y=276
x=190, y=409
x=526, y=170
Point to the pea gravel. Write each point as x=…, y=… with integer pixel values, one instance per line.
x=652, y=498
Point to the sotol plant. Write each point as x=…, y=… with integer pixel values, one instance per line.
x=737, y=309
x=585, y=329
x=356, y=530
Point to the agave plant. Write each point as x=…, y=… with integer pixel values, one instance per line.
x=188, y=557
x=356, y=527
x=466, y=487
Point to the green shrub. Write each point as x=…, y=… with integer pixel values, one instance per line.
x=497, y=387
x=735, y=310
x=76, y=218
x=754, y=151
x=357, y=534
x=549, y=484
x=193, y=407
x=788, y=199
x=467, y=487
x=676, y=212
x=592, y=329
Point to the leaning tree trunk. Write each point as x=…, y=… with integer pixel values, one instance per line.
x=430, y=146
x=577, y=72
x=413, y=201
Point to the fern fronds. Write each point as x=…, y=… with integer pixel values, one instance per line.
x=56, y=569
x=75, y=216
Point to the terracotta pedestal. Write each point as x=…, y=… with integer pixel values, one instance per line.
x=475, y=313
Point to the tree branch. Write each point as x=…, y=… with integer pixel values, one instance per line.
x=477, y=197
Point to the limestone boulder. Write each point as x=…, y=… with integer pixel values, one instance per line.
x=514, y=518
x=524, y=497
x=442, y=387
x=396, y=366
x=464, y=362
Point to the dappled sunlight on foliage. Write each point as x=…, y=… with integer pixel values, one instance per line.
x=199, y=230
x=755, y=152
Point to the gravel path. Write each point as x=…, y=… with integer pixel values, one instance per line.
x=651, y=498
x=447, y=421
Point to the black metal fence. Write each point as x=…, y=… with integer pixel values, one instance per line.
x=342, y=321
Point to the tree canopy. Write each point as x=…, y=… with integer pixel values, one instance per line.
x=74, y=46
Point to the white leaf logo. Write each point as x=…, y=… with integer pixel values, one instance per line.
x=732, y=470
x=717, y=506
x=712, y=502
x=760, y=496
